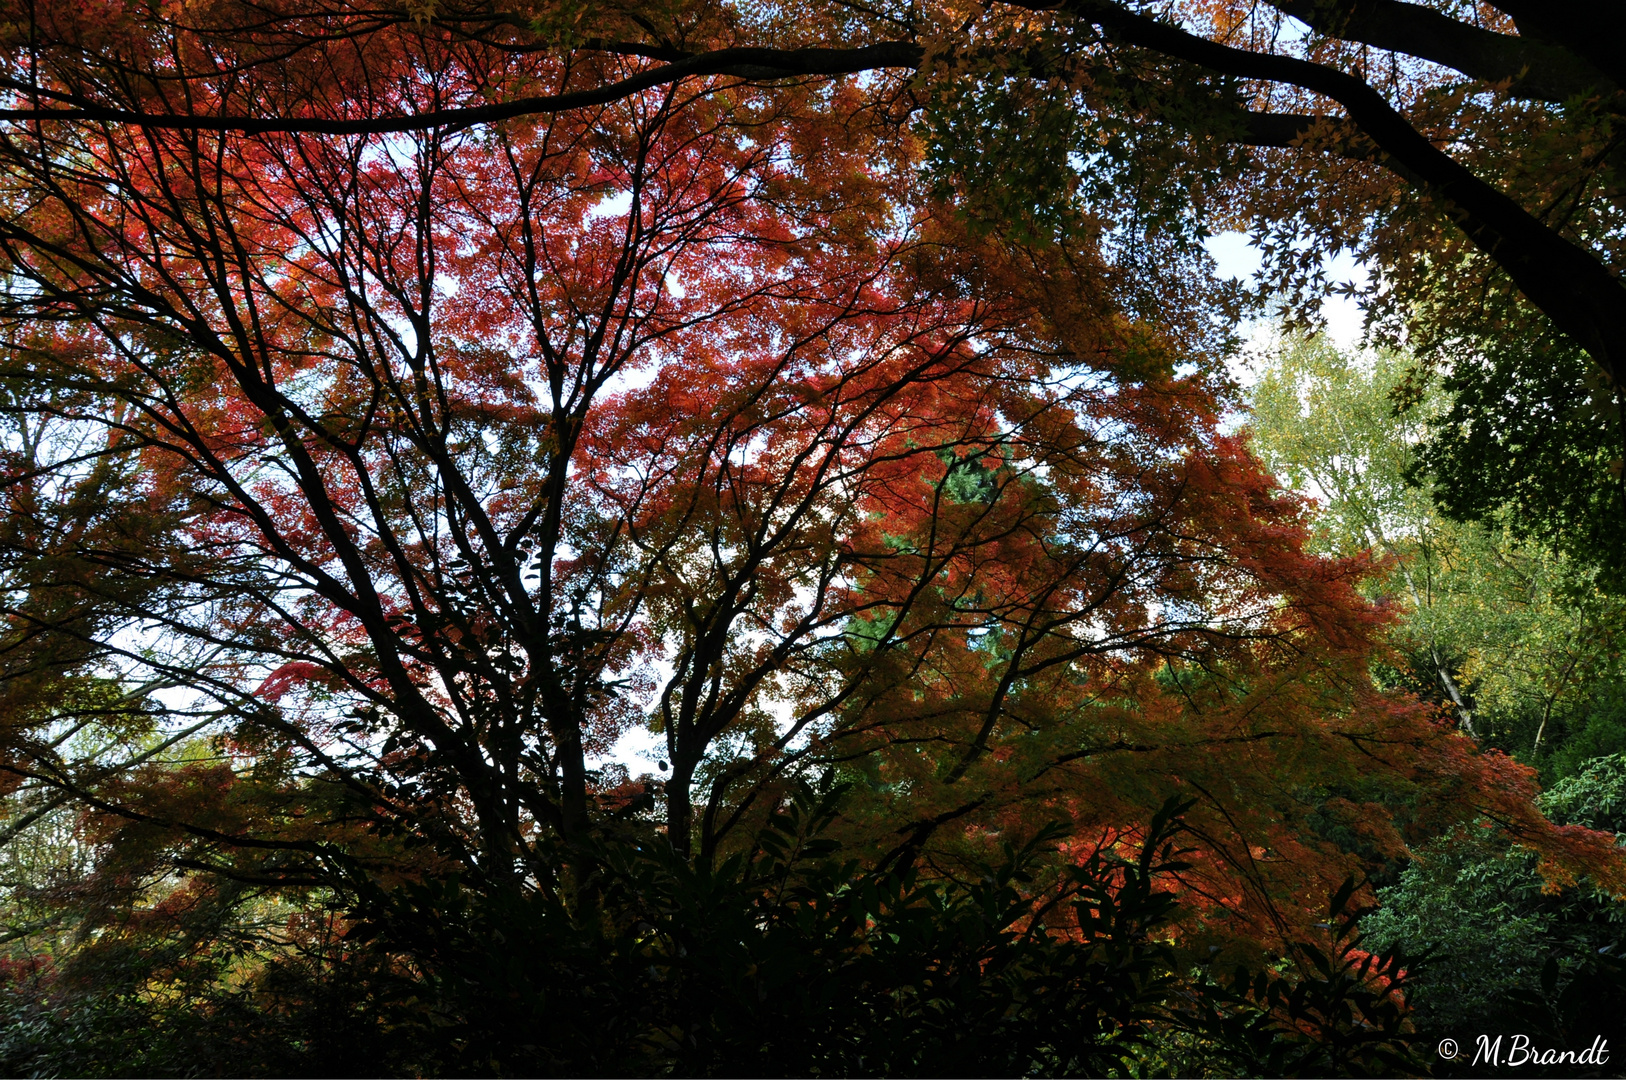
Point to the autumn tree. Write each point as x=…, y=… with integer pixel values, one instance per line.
x=1512, y=638
x=1467, y=150
x=379, y=458
x=1471, y=896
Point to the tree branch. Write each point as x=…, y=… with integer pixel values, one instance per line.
x=1326, y=134
x=1531, y=68
x=1568, y=283
x=749, y=64
x=1590, y=28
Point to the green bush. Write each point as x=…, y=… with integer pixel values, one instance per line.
x=1504, y=955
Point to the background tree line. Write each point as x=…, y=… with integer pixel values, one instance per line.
x=1518, y=643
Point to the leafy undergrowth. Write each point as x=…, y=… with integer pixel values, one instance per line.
x=787, y=960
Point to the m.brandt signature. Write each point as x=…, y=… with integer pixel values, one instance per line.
x=1519, y=1050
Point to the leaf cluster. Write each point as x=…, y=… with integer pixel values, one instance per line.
x=789, y=960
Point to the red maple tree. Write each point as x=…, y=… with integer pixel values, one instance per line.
x=445, y=455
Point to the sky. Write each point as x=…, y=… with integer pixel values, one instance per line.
x=1235, y=257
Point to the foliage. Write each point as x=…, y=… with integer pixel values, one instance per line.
x=792, y=960
x=1342, y=1012
x=1556, y=975
x=1518, y=638
x=458, y=455
x=1469, y=152
x=1532, y=429
x=789, y=961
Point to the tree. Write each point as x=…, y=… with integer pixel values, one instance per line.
x=465, y=449
x=1522, y=646
x=1325, y=426
x=1466, y=149
x=1518, y=639
x=1557, y=971
x=1534, y=446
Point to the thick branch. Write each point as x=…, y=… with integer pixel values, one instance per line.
x=1594, y=29
x=1325, y=134
x=742, y=63
x=1568, y=283
x=1531, y=68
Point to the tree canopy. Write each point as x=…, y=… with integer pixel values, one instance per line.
x=401, y=406
x=1468, y=150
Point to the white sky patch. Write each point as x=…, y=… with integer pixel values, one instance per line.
x=615, y=205
x=639, y=749
x=1236, y=257
x=1345, y=322
x=674, y=286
